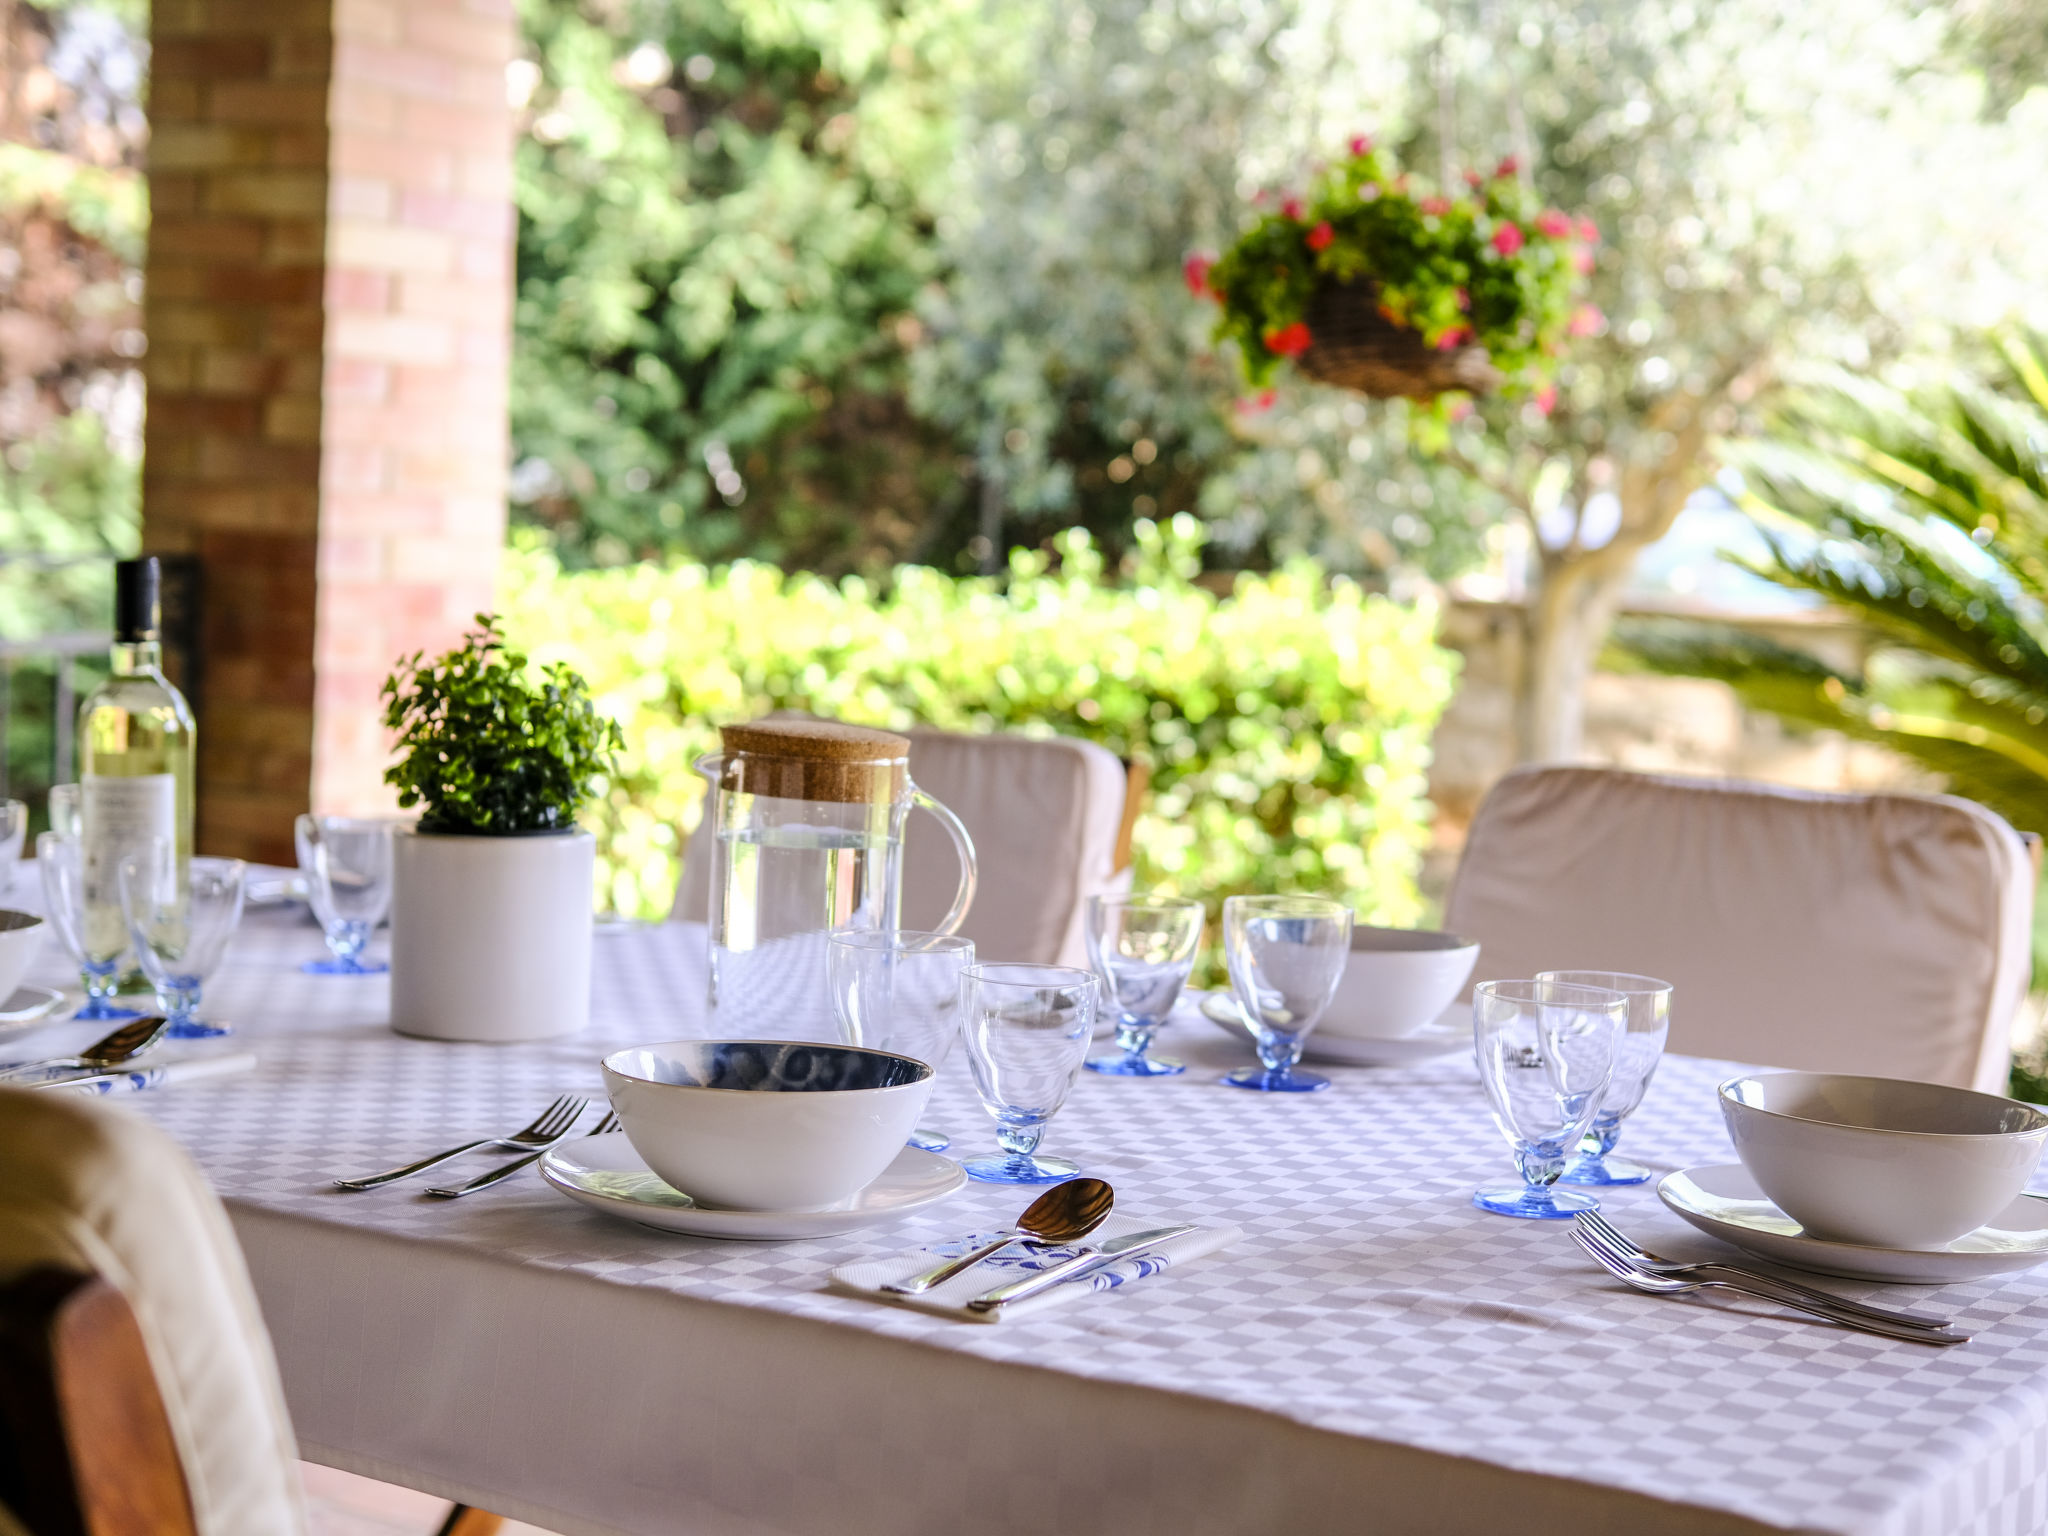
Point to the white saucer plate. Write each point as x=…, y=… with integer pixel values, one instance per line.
x=606, y=1174
x=1723, y=1201
x=28, y=1008
x=1451, y=1031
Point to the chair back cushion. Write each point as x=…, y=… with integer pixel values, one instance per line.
x=95, y=1189
x=1044, y=814
x=1885, y=934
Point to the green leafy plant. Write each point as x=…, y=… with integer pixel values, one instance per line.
x=1287, y=723
x=487, y=747
x=1493, y=268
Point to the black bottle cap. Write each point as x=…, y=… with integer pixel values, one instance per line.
x=136, y=605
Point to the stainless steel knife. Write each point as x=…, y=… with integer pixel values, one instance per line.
x=1133, y=1245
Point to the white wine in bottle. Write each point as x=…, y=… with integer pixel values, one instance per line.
x=135, y=752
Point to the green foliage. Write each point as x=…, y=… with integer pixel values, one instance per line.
x=1924, y=511
x=1494, y=267
x=490, y=750
x=1288, y=723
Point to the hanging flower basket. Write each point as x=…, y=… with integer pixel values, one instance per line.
x=1368, y=285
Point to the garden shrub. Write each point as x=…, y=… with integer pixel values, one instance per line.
x=1287, y=723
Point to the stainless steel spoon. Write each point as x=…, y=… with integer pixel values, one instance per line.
x=123, y=1045
x=1063, y=1214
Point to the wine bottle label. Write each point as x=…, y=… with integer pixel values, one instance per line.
x=119, y=814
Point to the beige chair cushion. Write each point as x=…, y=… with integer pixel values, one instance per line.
x=1044, y=813
x=90, y=1188
x=1882, y=934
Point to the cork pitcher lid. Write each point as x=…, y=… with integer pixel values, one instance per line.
x=814, y=760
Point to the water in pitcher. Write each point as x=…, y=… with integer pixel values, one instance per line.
x=782, y=889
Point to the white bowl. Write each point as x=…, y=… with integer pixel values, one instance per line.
x=766, y=1125
x=21, y=935
x=1881, y=1162
x=1396, y=981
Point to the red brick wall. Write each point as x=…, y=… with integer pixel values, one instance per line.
x=327, y=308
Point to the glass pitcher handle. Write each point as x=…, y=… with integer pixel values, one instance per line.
x=964, y=846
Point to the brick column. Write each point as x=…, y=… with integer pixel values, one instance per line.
x=328, y=306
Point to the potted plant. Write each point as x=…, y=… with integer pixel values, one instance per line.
x=1393, y=290
x=491, y=902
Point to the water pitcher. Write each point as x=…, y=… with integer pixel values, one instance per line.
x=809, y=820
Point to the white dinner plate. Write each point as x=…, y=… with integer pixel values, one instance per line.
x=1451, y=1031
x=606, y=1174
x=29, y=1008
x=1723, y=1201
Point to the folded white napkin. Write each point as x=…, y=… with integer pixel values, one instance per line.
x=869, y=1276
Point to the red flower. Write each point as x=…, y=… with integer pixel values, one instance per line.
x=1588, y=230
x=1553, y=225
x=1508, y=239
x=1474, y=180
x=1289, y=340
x=1292, y=208
x=1507, y=168
x=1196, y=270
x=1455, y=337
x=1464, y=300
x=1361, y=144
x=1586, y=321
x=1252, y=405
x=1435, y=206
x=1546, y=399
x=1320, y=237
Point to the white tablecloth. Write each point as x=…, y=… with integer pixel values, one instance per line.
x=1375, y=1355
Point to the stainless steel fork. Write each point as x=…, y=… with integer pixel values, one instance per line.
x=1760, y=1290
x=548, y=1126
x=1600, y=1226
x=485, y=1180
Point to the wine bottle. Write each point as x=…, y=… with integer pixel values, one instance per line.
x=136, y=742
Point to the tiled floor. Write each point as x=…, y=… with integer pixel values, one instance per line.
x=343, y=1504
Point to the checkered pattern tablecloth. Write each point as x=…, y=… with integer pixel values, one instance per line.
x=1367, y=1297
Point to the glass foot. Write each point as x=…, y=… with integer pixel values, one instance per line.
x=100, y=1008
x=333, y=967
x=1130, y=1064
x=1265, y=1080
x=929, y=1141
x=197, y=1029
x=1534, y=1204
x=1605, y=1170
x=1014, y=1168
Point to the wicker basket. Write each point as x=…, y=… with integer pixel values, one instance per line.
x=1356, y=347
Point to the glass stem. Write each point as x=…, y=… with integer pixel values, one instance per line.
x=1020, y=1140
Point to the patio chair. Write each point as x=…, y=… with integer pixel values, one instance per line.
x=1051, y=819
x=138, y=1393
x=1885, y=934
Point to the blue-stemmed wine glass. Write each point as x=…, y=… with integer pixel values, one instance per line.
x=347, y=862
x=1635, y=1063
x=894, y=989
x=180, y=929
x=1286, y=955
x=95, y=935
x=1545, y=1051
x=1142, y=948
x=1028, y=1028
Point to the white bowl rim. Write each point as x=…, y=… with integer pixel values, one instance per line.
x=1451, y=943
x=606, y=1062
x=2040, y=1116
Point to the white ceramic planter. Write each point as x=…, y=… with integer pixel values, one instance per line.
x=490, y=936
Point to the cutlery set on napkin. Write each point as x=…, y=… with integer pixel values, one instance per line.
x=105, y=1066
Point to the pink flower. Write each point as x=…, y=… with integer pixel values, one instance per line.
x=1261, y=197
x=1253, y=405
x=1436, y=207
x=1553, y=225
x=1582, y=259
x=1586, y=321
x=1289, y=340
x=1461, y=407
x=1455, y=337
x=1508, y=239
x=1291, y=208
x=1474, y=180
x=1464, y=300
x=1546, y=399
x=1320, y=237
x=1588, y=230
x=1506, y=168
x=1361, y=144
x=1196, y=270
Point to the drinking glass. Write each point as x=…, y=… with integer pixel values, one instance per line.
x=13, y=833
x=1028, y=1028
x=347, y=861
x=898, y=990
x=67, y=810
x=1545, y=1052
x=1635, y=1063
x=1142, y=948
x=1286, y=955
x=96, y=940
x=180, y=935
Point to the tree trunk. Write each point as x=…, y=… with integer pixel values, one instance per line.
x=1568, y=620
